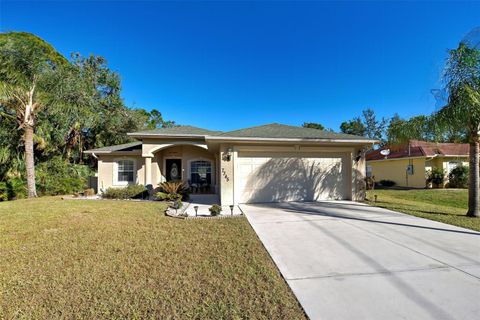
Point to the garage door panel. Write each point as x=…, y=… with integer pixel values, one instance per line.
x=279, y=178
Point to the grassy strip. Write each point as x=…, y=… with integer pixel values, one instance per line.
x=444, y=205
x=120, y=259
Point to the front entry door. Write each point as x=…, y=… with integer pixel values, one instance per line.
x=174, y=169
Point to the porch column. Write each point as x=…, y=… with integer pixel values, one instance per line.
x=148, y=170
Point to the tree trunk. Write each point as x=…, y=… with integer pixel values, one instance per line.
x=473, y=185
x=30, y=161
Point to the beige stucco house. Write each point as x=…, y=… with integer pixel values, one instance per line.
x=408, y=165
x=270, y=163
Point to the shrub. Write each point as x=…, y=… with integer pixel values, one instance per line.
x=134, y=191
x=58, y=176
x=387, y=183
x=3, y=191
x=436, y=176
x=14, y=188
x=168, y=196
x=458, y=177
x=173, y=188
x=89, y=192
x=215, y=210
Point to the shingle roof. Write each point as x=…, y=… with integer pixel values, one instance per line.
x=137, y=145
x=275, y=130
x=421, y=149
x=269, y=131
x=180, y=130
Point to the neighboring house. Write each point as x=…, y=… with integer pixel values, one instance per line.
x=408, y=165
x=269, y=163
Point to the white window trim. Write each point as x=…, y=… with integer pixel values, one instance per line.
x=115, y=172
x=212, y=165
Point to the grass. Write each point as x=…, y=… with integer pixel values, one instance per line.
x=83, y=259
x=444, y=205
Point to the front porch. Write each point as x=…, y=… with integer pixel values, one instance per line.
x=193, y=164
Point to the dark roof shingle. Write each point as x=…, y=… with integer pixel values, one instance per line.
x=136, y=145
x=180, y=130
x=275, y=130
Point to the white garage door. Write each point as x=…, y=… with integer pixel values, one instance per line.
x=306, y=177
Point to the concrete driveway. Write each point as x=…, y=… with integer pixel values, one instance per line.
x=345, y=260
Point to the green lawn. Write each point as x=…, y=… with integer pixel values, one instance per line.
x=120, y=259
x=444, y=205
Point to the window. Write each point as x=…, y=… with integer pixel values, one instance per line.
x=125, y=171
x=201, y=172
x=452, y=165
x=369, y=171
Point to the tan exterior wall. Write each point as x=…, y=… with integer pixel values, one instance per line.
x=187, y=153
x=355, y=170
x=227, y=174
x=396, y=170
x=444, y=161
x=223, y=171
x=106, y=164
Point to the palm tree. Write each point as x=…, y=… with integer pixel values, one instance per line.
x=28, y=79
x=462, y=77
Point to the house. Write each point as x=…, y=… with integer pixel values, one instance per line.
x=269, y=163
x=408, y=165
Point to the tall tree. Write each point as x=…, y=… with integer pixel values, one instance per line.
x=462, y=78
x=425, y=128
x=313, y=125
x=27, y=82
x=368, y=125
x=152, y=119
x=354, y=126
x=374, y=128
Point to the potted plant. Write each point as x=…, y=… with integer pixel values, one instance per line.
x=215, y=210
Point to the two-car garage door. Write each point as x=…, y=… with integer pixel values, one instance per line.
x=271, y=177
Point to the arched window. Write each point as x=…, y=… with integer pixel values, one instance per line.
x=201, y=172
x=125, y=171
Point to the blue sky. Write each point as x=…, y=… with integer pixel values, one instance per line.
x=227, y=65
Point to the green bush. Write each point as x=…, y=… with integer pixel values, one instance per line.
x=436, y=176
x=3, y=191
x=134, y=191
x=14, y=188
x=387, y=183
x=458, y=177
x=168, y=196
x=58, y=176
x=215, y=210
